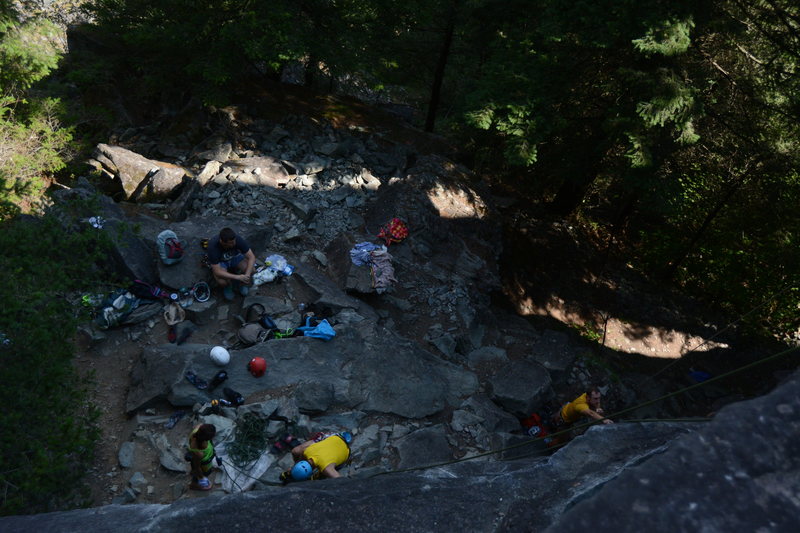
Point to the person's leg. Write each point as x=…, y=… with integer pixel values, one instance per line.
x=238, y=265
x=220, y=281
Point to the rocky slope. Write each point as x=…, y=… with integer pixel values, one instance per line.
x=424, y=371
x=738, y=472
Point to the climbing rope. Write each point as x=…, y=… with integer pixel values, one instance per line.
x=594, y=422
x=251, y=429
x=720, y=332
x=249, y=438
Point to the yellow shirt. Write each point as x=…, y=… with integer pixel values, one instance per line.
x=332, y=450
x=574, y=410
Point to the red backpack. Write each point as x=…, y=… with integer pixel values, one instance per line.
x=394, y=231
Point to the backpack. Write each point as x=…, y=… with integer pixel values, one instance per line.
x=147, y=291
x=534, y=426
x=115, y=309
x=170, y=248
x=394, y=231
x=253, y=333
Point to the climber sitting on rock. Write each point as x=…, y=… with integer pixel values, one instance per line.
x=587, y=405
x=319, y=457
x=232, y=262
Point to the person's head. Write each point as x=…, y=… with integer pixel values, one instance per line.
x=593, y=397
x=302, y=470
x=227, y=238
x=206, y=432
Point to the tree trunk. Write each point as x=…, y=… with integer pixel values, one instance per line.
x=580, y=176
x=438, y=75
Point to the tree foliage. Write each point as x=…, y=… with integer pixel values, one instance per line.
x=47, y=425
x=33, y=142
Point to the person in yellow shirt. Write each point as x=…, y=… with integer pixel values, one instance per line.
x=586, y=405
x=319, y=457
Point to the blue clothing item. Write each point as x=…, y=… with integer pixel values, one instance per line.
x=227, y=259
x=360, y=254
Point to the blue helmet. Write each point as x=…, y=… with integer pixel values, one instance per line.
x=347, y=437
x=302, y=471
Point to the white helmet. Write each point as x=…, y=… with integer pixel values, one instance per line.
x=220, y=355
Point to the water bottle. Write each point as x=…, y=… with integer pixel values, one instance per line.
x=301, y=308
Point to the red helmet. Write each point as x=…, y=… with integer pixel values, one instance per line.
x=257, y=366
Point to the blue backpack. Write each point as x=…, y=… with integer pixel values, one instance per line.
x=323, y=330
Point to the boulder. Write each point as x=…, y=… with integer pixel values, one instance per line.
x=191, y=269
x=141, y=178
x=329, y=294
x=347, y=275
x=486, y=354
x=361, y=367
x=126, y=455
x=493, y=419
x=130, y=256
x=169, y=456
x=424, y=447
x=520, y=387
x=557, y=351
x=268, y=170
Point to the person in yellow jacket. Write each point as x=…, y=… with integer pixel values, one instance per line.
x=319, y=457
x=201, y=450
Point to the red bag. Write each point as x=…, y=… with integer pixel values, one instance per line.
x=534, y=425
x=395, y=231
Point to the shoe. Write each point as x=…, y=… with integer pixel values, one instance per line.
x=227, y=292
x=196, y=381
x=184, y=336
x=218, y=379
x=174, y=419
x=234, y=397
x=278, y=448
x=201, y=484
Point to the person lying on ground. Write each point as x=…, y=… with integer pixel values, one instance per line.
x=319, y=457
x=232, y=262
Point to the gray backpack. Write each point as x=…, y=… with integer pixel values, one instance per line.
x=170, y=248
x=253, y=333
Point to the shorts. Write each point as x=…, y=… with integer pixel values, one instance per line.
x=232, y=263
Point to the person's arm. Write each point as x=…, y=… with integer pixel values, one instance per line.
x=220, y=272
x=597, y=416
x=330, y=471
x=297, y=451
x=250, y=257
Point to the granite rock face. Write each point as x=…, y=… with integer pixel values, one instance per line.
x=469, y=496
x=735, y=473
x=739, y=473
